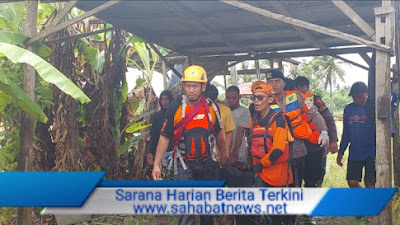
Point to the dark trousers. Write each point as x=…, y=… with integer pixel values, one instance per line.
x=205, y=169
x=312, y=172
x=265, y=220
x=298, y=167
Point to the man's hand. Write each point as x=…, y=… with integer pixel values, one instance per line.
x=150, y=159
x=257, y=168
x=234, y=157
x=333, y=148
x=339, y=159
x=156, y=172
x=223, y=159
x=323, y=139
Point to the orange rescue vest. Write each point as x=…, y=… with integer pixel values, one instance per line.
x=294, y=112
x=315, y=133
x=261, y=140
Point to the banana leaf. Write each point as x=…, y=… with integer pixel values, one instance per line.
x=8, y=88
x=45, y=70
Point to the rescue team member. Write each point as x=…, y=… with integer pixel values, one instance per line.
x=270, y=154
x=189, y=122
x=293, y=104
x=157, y=122
x=228, y=124
x=359, y=132
x=316, y=156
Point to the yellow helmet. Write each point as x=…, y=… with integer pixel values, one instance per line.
x=195, y=74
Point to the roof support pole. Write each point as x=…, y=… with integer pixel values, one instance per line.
x=165, y=60
x=307, y=25
x=396, y=87
x=360, y=22
x=257, y=63
x=384, y=23
x=55, y=28
x=164, y=73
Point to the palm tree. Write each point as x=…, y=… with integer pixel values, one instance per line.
x=329, y=71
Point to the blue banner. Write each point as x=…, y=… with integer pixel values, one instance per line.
x=52, y=189
x=353, y=202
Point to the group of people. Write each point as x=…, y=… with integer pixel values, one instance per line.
x=280, y=141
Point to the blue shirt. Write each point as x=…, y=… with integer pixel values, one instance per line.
x=359, y=132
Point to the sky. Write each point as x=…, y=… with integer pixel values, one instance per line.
x=352, y=74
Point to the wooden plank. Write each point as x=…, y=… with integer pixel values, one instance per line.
x=291, y=54
x=384, y=10
x=351, y=62
x=292, y=61
x=396, y=141
x=360, y=22
x=306, y=25
x=165, y=60
x=55, y=41
x=366, y=58
x=384, y=29
x=55, y=28
x=164, y=73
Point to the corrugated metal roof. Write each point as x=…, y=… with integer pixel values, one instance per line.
x=203, y=28
x=185, y=26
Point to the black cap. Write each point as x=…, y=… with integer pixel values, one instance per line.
x=358, y=89
x=274, y=74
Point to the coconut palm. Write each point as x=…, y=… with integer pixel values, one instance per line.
x=329, y=71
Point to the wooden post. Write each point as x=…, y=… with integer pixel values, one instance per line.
x=384, y=23
x=280, y=66
x=225, y=81
x=164, y=72
x=233, y=71
x=396, y=141
x=25, y=157
x=257, y=63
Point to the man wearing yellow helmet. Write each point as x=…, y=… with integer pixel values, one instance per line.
x=191, y=123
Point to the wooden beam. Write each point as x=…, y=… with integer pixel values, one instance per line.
x=292, y=61
x=360, y=22
x=384, y=32
x=293, y=54
x=307, y=25
x=366, y=58
x=60, y=15
x=351, y=62
x=55, y=28
x=396, y=87
x=55, y=41
x=165, y=60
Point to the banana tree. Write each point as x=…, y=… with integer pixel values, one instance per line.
x=148, y=60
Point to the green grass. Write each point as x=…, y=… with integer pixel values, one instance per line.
x=335, y=175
